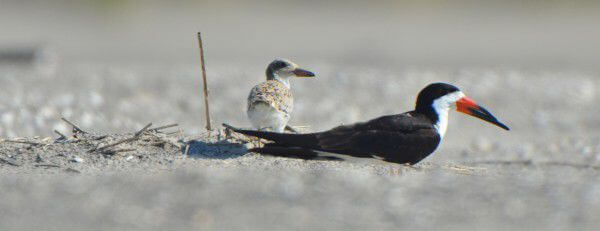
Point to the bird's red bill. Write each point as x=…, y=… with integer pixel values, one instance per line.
x=469, y=107
x=464, y=103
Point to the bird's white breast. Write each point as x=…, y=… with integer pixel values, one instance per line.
x=441, y=106
x=265, y=117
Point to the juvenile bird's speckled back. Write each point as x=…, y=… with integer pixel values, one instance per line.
x=273, y=93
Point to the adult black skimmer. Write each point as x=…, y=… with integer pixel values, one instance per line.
x=403, y=138
x=270, y=103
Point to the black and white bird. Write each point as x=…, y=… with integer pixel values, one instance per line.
x=403, y=138
x=270, y=103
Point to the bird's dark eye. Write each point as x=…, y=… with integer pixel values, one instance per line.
x=280, y=64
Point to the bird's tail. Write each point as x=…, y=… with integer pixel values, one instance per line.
x=308, y=140
x=293, y=152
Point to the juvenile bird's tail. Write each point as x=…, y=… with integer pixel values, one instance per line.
x=308, y=140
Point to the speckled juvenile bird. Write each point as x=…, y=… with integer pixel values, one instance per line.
x=270, y=103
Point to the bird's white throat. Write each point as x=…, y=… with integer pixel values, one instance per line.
x=284, y=80
x=441, y=106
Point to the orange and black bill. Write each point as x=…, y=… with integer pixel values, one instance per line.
x=469, y=107
x=303, y=73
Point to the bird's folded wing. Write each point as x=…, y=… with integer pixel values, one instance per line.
x=383, y=134
x=376, y=141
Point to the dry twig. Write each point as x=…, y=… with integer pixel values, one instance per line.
x=136, y=136
x=62, y=136
x=72, y=170
x=163, y=127
x=115, y=151
x=47, y=165
x=76, y=129
x=207, y=111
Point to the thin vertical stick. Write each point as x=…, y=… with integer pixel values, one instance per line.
x=206, y=109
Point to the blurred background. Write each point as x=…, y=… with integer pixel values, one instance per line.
x=404, y=32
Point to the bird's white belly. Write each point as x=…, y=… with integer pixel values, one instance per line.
x=265, y=117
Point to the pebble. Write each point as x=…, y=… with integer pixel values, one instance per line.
x=77, y=159
x=128, y=158
x=39, y=159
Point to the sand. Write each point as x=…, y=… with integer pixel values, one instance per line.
x=543, y=174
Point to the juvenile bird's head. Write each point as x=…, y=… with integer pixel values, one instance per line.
x=282, y=69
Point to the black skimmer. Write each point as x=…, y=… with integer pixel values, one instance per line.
x=405, y=138
x=270, y=103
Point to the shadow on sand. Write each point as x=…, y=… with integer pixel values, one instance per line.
x=218, y=150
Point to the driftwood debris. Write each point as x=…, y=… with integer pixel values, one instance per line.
x=135, y=137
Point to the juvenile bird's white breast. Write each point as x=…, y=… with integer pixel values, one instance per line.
x=270, y=105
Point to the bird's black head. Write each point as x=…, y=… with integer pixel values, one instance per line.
x=435, y=101
x=278, y=64
x=432, y=92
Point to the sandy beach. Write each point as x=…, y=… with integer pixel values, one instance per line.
x=541, y=174
x=113, y=69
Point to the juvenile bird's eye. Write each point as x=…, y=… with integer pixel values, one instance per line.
x=280, y=64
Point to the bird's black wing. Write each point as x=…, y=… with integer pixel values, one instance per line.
x=403, y=138
x=405, y=123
